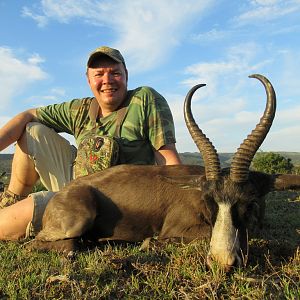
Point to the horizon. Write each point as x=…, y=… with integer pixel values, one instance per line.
x=168, y=45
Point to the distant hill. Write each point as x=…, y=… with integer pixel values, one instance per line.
x=190, y=158
x=196, y=159
x=225, y=158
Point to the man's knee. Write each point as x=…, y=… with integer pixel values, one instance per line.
x=52, y=155
x=38, y=137
x=37, y=130
x=33, y=130
x=15, y=218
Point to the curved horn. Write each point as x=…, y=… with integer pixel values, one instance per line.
x=241, y=161
x=206, y=148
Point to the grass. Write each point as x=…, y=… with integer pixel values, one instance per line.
x=172, y=271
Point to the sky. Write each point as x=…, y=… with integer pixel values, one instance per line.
x=170, y=45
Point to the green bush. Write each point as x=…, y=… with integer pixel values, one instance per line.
x=272, y=163
x=296, y=170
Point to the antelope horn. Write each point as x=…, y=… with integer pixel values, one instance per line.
x=206, y=148
x=241, y=161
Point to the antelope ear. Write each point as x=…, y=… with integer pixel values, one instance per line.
x=262, y=182
x=185, y=181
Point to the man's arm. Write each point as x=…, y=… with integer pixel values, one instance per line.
x=167, y=155
x=13, y=129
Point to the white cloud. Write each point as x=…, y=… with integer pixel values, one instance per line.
x=146, y=31
x=208, y=73
x=54, y=95
x=228, y=124
x=210, y=36
x=289, y=72
x=58, y=91
x=231, y=104
x=35, y=59
x=42, y=21
x=16, y=74
x=229, y=72
x=265, y=2
x=265, y=10
x=283, y=139
x=217, y=119
x=289, y=116
x=228, y=133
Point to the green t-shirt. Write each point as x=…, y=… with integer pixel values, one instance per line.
x=147, y=125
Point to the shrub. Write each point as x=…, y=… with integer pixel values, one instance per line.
x=272, y=163
x=296, y=170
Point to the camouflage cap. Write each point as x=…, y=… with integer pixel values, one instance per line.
x=110, y=52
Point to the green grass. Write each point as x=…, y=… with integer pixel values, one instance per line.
x=171, y=271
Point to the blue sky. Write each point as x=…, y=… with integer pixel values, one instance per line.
x=170, y=45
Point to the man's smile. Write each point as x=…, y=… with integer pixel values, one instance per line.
x=109, y=90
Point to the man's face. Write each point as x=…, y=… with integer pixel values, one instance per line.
x=108, y=82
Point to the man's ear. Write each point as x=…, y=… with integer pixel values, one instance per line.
x=87, y=75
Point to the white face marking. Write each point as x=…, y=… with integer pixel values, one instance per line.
x=224, y=244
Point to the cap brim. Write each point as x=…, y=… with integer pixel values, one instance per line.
x=97, y=54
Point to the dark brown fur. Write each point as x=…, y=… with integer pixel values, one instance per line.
x=131, y=203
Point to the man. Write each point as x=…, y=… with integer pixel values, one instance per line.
x=139, y=120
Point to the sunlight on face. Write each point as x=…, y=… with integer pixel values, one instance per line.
x=108, y=82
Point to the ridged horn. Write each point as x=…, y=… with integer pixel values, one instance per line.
x=241, y=161
x=206, y=148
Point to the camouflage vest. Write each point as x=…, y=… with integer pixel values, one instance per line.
x=96, y=152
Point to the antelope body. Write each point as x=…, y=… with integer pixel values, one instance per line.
x=131, y=203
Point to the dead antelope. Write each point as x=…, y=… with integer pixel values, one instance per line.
x=131, y=203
